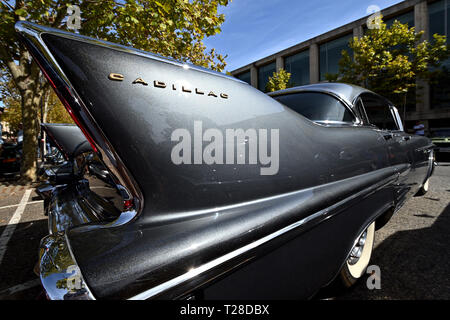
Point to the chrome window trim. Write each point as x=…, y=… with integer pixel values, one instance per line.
x=393, y=110
x=364, y=118
x=397, y=118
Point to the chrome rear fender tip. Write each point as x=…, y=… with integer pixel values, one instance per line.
x=32, y=35
x=59, y=273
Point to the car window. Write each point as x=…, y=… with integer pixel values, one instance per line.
x=378, y=112
x=318, y=107
x=360, y=109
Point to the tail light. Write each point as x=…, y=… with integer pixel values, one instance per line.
x=128, y=204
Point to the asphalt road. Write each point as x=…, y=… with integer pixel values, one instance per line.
x=411, y=250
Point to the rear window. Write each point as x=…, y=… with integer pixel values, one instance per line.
x=378, y=112
x=318, y=107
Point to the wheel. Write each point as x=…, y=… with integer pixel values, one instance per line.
x=424, y=189
x=359, y=257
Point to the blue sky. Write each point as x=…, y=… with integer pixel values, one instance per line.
x=254, y=29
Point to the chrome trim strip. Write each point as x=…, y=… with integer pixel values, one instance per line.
x=396, y=116
x=431, y=165
x=321, y=216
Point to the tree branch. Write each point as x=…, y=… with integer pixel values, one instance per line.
x=60, y=14
x=16, y=71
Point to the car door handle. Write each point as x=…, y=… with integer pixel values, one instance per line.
x=406, y=138
x=387, y=136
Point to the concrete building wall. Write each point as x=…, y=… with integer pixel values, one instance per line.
x=423, y=110
x=314, y=63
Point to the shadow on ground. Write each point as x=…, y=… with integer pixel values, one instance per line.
x=414, y=264
x=21, y=256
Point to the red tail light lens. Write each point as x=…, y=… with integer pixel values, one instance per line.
x=67, y=106
x=128, y=204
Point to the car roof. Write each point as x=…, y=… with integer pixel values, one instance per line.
x=345, y=91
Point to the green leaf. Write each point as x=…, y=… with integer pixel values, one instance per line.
x=21, y=12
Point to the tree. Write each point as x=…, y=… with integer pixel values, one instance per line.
x=54, y=111
x=52, y=108
x=12, y=114
x=11, y=101
x=389, y=61
x=278, y=81
x=173, y=28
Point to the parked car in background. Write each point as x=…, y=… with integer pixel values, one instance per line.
x=10, y=159
x=441, y=139
x=162, y=229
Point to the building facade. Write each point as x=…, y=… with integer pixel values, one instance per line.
x=309, y=61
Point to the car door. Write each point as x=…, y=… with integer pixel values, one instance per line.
x=380, y=115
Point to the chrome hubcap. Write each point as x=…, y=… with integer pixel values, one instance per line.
x=357, y=249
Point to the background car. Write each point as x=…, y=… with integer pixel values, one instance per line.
x=10, y=159
x=441, y=138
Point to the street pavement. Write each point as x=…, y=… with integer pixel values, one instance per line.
x=19, y=241
x=411, y=250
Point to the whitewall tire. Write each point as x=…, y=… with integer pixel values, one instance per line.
x=359, y=257
x=424, y=189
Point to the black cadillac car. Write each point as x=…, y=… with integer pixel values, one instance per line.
x=213, y=189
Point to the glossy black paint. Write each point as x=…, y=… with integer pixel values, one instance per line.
x=332, y=181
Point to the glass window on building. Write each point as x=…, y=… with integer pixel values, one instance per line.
x=439, y=22
x=298, y=66
x=264, y=73
x=436, y=17
x=407, y=17
x=331, y=53
x=245, y=77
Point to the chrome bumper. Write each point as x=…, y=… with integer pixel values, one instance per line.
x=59, y=273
